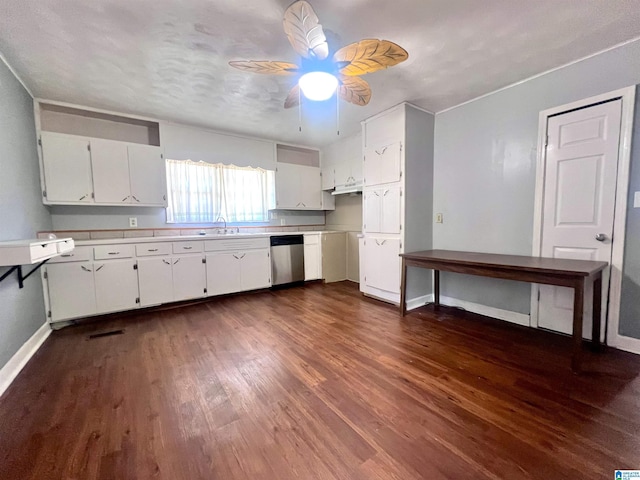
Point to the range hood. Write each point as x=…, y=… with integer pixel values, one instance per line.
x=349, y=188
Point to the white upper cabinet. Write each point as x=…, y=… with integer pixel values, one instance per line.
x=67, y=169
x=147, y=173
x=382, y=210
x=345, y=159
x=298, y=187
x=382, y=164
x=110, y=163
x=328, y=178
x=372, y=211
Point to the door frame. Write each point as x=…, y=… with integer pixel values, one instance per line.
x=627, y=95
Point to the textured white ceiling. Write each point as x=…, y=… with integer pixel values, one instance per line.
x=168, y=59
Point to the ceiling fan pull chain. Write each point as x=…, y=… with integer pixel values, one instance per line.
x=299, y=111
x=338, y=112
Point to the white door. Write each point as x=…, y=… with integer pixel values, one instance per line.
x=255, y=269
x=189, y=277
x=579, y=201
x=148, y=175
x=110, y=164
x=390, y=218
x=67, y=168
x=116, y=285
x=155, y=281
x=372, y=210
x=71, y=290
x=223, y=273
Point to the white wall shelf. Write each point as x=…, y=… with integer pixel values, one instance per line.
x=16, y=253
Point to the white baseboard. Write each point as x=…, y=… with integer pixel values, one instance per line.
x=628, y=344
x=507, y=315
x=10, y=371
x=419, y=301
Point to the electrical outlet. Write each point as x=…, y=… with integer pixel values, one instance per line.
x=283, y=221
x=636, y=200
x=439, y=218
x=133, y=222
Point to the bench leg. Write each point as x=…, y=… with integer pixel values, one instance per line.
x=436, y=288
x=403, y=289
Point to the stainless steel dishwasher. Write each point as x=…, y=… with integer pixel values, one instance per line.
x=287, y=259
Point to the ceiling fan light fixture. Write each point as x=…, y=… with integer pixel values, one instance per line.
x=318, y=86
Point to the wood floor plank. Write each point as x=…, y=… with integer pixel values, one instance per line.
x=316, y=382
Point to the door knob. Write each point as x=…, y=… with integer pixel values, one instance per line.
x=601, y=237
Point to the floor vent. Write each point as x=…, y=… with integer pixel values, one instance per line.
x=105, y=334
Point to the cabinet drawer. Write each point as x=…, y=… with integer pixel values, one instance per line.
x=65, y=246
x=151, y=249
x=188, y=247
x=235, y=245
x=106, y=252
x=79, y=254
x=313, y=239
x=38, y=252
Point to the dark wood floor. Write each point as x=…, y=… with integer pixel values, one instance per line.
x=316, y=382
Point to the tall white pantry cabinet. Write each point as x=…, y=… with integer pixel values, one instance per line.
x=397, y=201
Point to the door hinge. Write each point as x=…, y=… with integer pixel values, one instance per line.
x=89, y=147
x=546, y=141
x=45, y=275
x=161, y=155
x=135, y=266
x=137, y=299
x=538, y=294
x=44, y=193
x=204, y=260
x=93, y=195
x=365, y=278
x=205, y=290
x=400, y=227
x=49, y=314
x=40, y=141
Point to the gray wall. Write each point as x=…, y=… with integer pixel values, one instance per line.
x=630, y=303
x=21, y=212
x=485, y=161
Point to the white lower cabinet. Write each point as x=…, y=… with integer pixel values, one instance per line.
x=223, y=273
x=189, y=277
x=71, y=290
x=116, y=285
x=382, y=264
x=155, y=279
x=229, y=272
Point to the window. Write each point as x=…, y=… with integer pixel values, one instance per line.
x=200, y=192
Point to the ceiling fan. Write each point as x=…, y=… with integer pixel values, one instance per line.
x=319, y=76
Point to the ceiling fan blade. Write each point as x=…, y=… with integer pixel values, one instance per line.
x=304, y=31
x=266, y=67
x=370, y=55
x=293, y=99
x=354, y=90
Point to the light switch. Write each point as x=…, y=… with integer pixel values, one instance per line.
x=636, y=200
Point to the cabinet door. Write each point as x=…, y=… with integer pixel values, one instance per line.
x=223, y=273
x=343, y=174
x=147, y=173
x=155, y=281
x=382, y=264
x=71, y=290
x=328, y=178
x=310, y=191
x=372, y=210
x=382, y=164
x=255, y=269
x=110, y=164
x=189, y=277
x=116, y=285
x=287, y=186
x=312, y=262
x=390, y=217
x=67, y=168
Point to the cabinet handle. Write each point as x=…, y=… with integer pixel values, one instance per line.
x=376, y=194
x=85, y=268
x=242, y=256
x=65, y=255
x=385, y=193
x=82, y=197
x=380, y=243
x=176, y=261
x=114, y=253
x=152, y=250
x=303, y=204
x=298, y=204
x=99, y=268
x=168, y=263
x=187, y=248
x=126, y=198
x=134, y=197
x=382, y=152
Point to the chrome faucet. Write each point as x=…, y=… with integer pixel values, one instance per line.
x=220, y=217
